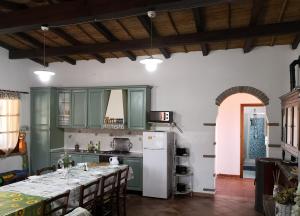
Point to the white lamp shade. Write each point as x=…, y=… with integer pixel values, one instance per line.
x=44, y=75
x=151, y=63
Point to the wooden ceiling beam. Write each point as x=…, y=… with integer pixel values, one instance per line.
x=200, y=26
x=37, y=43
x=67, y=37
x=296, y=41
x=72, y=12
x=175, y=28
x=12, y=5
x=281, y=15
x=9, y=47
x=168, y=41
x=228, y=22
x=40, y=61
x=257, y=6
x=146, y=22
x=111, y=37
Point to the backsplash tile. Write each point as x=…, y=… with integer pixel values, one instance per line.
x=84, y=136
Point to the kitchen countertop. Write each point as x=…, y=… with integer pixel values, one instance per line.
x=85, y=152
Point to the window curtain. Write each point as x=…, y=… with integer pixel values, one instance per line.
x=9, y=121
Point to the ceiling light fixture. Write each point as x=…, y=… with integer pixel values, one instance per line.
x=151, y=63
x=44, y=74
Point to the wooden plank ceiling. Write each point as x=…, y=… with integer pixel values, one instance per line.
x=220, y=25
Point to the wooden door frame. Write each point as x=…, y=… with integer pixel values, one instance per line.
x=242, y=133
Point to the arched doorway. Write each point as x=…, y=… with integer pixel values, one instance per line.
x=243, y=89
x=231, y=151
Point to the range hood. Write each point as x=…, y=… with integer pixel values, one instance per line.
x=116, y=112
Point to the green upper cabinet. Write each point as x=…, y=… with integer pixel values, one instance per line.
x=97, y=104
x=86, y=107
x=64, y=108
x=138, y=107
x=79, y=108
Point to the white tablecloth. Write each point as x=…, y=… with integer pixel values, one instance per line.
x=55, y=183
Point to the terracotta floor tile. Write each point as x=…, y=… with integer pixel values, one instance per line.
x=234, y=197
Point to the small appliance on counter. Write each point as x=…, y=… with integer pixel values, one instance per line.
x=158, y=151
x=121, y=144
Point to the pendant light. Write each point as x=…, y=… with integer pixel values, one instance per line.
x=151, y=63
x=44, y=74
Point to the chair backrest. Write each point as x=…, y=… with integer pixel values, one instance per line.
x=46, y=169
x=88, y=195
x=108, y=185
x=56, y=204
x=122, y=179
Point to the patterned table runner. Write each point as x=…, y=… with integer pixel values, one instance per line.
x=53, y=184
x=18, y=204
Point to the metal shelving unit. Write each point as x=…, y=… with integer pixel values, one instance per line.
x=186, y=179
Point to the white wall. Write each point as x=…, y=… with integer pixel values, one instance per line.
x=228, y=133
x=188, y=84
x=14, y=75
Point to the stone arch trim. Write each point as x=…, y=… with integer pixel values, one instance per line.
x=242, y=89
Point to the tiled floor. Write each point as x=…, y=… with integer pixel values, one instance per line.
x=234, y=197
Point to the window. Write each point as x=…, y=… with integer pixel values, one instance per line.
x=9, y=121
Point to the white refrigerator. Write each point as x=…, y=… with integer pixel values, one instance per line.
x=158, y=148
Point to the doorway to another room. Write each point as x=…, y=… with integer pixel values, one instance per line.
x=241, y=137
x=253, y=137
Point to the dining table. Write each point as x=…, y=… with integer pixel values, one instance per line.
x=26, y=197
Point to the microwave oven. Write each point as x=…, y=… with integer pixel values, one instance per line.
x=161, y=116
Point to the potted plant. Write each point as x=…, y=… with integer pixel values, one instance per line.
x=284, y=200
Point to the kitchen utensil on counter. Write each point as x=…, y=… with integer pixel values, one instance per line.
x=77, y=147
x=113, y=161
x=121, y=144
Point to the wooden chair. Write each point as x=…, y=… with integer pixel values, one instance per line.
x=88, y=196
x=121, y=190
x=107, y=191
x=53, y=205
x=46, y=169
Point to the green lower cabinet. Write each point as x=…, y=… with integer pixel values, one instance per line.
x=55, y=156
x=90, y=158
x=77, y=158
x=135, y=184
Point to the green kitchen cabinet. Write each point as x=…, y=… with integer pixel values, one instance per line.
x=64, y=108
x=97, y=104
x=77, y=158
x=55, y=156
x=138, y=107
x=135, y=184
x=79, y=108
x=90, y=158
x=44, y=133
